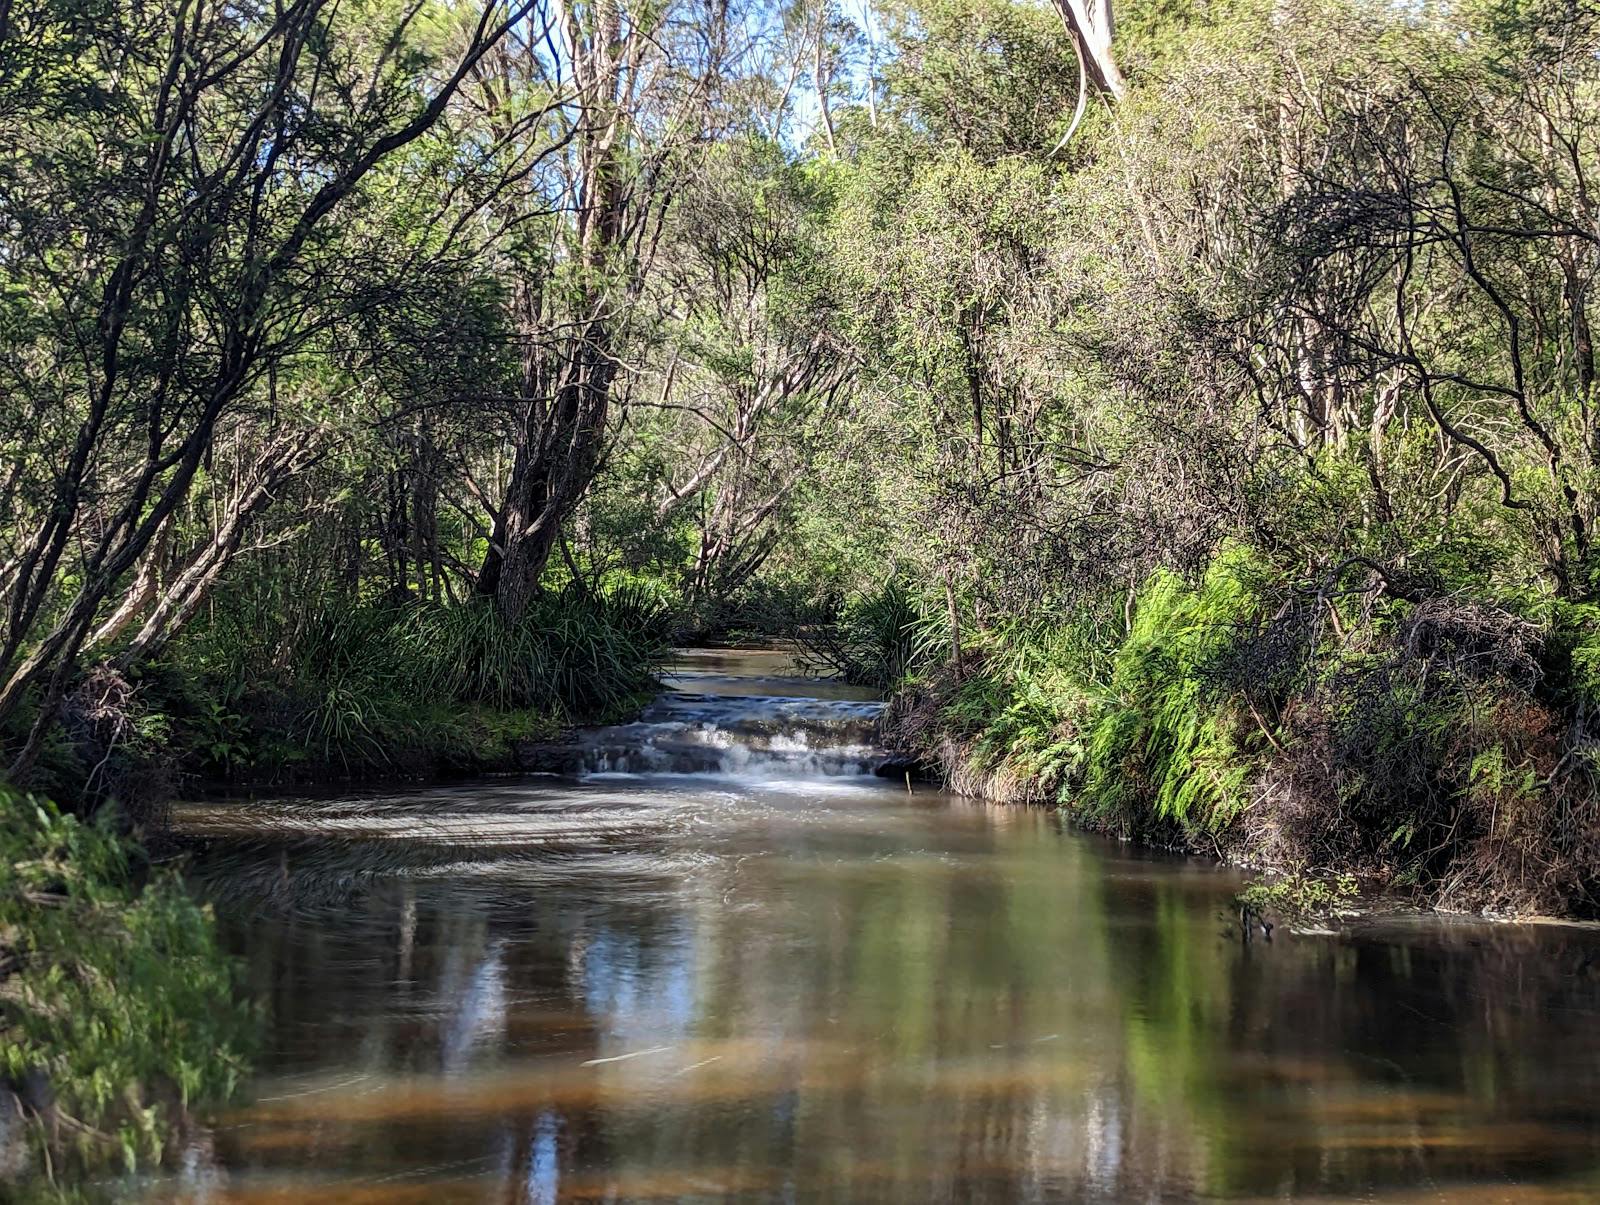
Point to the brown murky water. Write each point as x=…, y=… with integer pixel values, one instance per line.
x=778, y=980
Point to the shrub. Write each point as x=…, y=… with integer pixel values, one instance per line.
x=116, y=1003
x=874, y=639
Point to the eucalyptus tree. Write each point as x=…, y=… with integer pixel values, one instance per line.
x=640, y=88
x=1447, y=254
x=1092, y=25
x=756, y=374
x=940, y=245
x=181, y=200
x=1344, y=278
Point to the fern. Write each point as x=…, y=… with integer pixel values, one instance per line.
x=1166, y=750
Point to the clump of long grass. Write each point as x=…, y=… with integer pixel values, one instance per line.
x=1168, y=748
x=876, y=638
x=1129, y=728
x=572, y=653
x=368, y=683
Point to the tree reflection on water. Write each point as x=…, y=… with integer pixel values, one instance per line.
x=864, y=995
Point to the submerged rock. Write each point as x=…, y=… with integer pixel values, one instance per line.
x=548, y=757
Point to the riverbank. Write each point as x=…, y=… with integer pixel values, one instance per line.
x=1440, y=748
x=386, y=691
x=930, y=747
x=121, y=1018
x=442, y=743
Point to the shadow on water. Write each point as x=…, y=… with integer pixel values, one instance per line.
x=754, y=986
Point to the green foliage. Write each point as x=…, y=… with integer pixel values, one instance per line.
x=1029, y=701
x=382, y=687
x=876, y=639
x=1166, y=749
x=1439, y=743
x=1039, y=733
x=1571, y=653
x=568, y=653
x=1299, y=897
x=115, y=1000
x=996, y=77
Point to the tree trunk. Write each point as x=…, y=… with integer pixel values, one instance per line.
x=558, y=452
x=1091, y=24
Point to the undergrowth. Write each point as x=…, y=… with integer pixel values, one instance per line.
x=1169, y=747
x=403, y=688
x=1444, y=743
x=875, y=638
x=117, y=1010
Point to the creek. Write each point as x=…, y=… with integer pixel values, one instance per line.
x=727, y=963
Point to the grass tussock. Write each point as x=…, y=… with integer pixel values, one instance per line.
x=401, y=688
x=376, y=689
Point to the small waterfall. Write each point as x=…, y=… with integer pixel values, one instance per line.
x=763, y=736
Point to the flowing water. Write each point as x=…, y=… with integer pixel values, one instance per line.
x=726, y=964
